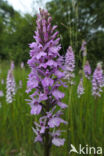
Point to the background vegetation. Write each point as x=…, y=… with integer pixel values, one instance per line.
x=76, y=20
x=16, y=135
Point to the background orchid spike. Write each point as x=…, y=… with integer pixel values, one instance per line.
x=87, y=70
x=97, y=81
x=83, y=48
x=69, y=65
x=80, y=89
x=10, y=86
x=12, y=65
x=45, y=77
x=22, y=65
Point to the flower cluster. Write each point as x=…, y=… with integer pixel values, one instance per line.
x=10, y=86
x=87, y=70
x=80, y=90
x=97, y=81
x=12, y=65
x=69, y=65
x=45, y=78
x=54, y=120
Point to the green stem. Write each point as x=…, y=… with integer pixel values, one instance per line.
x=47, y=145
x=70, y=121
x=84, y=61
x=95, y=110
x=47, y=142
x=69, y=101
x=14, y=128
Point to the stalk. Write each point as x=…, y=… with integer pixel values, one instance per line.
x=46, y=63
x=47, y=143
x=69, y=75
x=84, y=61
x=47, y=146
x=95, y=109
x=70, y=120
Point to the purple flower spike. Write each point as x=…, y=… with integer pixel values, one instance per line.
x=87, y=70
x=80, y=90
x=83, y=48
x=12, y=65
x=69, y=65
x=97, y=81
x=45, y=79
x=11, y=87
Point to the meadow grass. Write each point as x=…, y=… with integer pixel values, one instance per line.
x=86, y=119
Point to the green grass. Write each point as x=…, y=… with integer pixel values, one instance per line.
x=86, y=120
